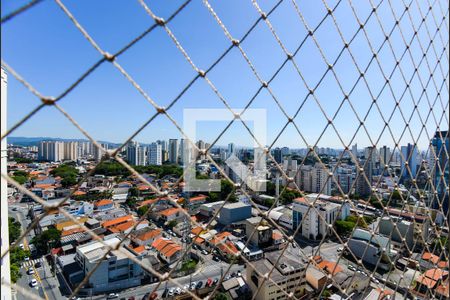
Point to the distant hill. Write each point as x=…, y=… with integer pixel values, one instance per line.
x=34, y=141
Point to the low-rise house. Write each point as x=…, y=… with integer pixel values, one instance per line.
x=168, y=250
x=103, y=205
x=145, y=236
x=171, y=214
x=432, y=281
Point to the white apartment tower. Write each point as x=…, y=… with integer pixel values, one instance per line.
x=98, y=152
x=155, y=154
x=70, y=150
x=51, y=151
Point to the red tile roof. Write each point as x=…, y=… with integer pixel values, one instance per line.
x=116, y=221
x=102, y=202
x=169, y=211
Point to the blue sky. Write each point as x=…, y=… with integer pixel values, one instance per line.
x=48, y=51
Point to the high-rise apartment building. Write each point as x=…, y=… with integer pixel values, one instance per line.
x=315, y=179
x=231, y=150
x=173, y=151
x=98, y=153
x=155, y=154
x=70, y=150
x=441, y=149
x=51, y=151
x=136, y=154
x=4, y=238
x=355, y=150
x=408, y=154
x=277, y=155
x=364, y=176
x=164, y=150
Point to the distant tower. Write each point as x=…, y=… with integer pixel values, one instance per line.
x=173, y=151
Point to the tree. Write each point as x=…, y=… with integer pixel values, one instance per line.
x=15, y=272
x=344, y=227
x=23, y=160
x=227, y=189
x=287, y=196
x=16, y=257
x=14, y=228
x=49, y=238
x=188, y=266
x=20, y=179
x=111, y=168
x=142, y=210
x=68, y=173
x=133, y=192
x=220, y=296
x=131, y=202
x=172, y=224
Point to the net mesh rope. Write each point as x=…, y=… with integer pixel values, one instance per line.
x=422, y=29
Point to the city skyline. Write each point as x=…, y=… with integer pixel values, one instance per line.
x=46, y=68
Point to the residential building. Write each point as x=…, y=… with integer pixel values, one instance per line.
x=234, y=212
x=315, y=179
x=441, y=168
x=231, y=150
x=173, y=151
x=288, y=273
x=99, y=153
x=314, y=221
x=51, y=151
x=103, y=204
x=145, y=236
x=4, y=238
x=364, y=176
x=155, y=154
x=168, y=250
x=70, y=150
x=409, y=156
x=277, y=155
x=115, y=271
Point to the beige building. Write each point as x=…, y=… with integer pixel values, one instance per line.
x=288, y=274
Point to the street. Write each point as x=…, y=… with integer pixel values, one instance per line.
x=47, y=285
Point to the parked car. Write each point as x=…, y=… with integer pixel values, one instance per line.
x=33, y=282
x=193, y=284
x=185, y=288
x=178, y=291
x=215, y=281
x=22, y=246
x=239, y=274
x=38, y=264
x=112, y=296
x=199, y=285
x=215, y=258
x=209, y=282
x=204, y=252
x=26, y=258
x=30, y=271
x=171, y=292
x=164, y=294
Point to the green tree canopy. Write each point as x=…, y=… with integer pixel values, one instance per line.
x=14, y=228
x=68, y=173
x=48, y=239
